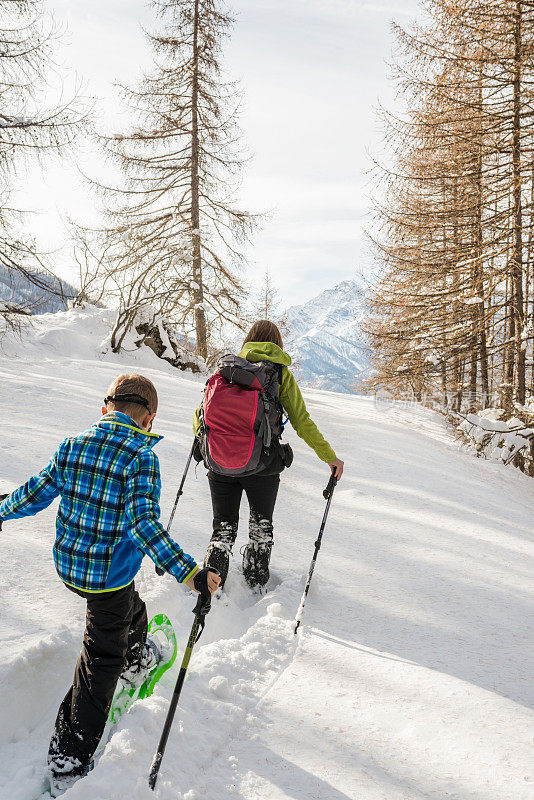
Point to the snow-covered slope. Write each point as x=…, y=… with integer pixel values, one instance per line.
x=82, y=334
x=326, y=339
x=411, y=676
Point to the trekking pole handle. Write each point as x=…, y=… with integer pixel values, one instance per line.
x=332, y=483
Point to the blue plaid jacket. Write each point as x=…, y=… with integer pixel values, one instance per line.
x=108, y=517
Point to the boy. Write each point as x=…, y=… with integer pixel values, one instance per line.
x=108, y=518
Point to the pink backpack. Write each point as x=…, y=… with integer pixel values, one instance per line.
x=241, y=416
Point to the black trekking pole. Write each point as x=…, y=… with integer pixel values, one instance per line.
x=327, y=494
x=202, y=608
x=178, y=495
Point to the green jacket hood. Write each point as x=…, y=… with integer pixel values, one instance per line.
x=265, y=351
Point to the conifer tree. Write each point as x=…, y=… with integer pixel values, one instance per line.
x=175, y=231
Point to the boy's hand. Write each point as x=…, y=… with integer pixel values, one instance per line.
x=2, y=497
x=337, y=467
x=204, y=577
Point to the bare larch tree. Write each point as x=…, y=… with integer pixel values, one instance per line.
x=453, y=309
x=267, y=305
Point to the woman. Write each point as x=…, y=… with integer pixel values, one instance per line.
x=263, y=343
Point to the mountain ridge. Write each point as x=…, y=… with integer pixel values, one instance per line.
x=16, y=288
x=326, y=337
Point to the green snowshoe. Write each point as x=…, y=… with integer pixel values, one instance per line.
x=161, y=638
x=163, y=647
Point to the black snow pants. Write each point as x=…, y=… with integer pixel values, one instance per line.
x=116, y=629
x=226, y=493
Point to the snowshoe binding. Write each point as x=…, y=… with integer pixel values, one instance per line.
x=139, y=680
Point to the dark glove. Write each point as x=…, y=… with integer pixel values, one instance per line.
x=197, y=453
x=200, y=580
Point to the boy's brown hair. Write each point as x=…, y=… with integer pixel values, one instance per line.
x=265, y=331
x=133, y=385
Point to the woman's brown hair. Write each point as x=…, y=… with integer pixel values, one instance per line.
x=265, y=331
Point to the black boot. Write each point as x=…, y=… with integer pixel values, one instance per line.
x=220, y=549
x=256, y=557
x=257, y=553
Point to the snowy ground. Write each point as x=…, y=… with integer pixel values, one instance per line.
x=411, y=677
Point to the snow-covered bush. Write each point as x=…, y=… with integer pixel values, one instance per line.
x=510, y=441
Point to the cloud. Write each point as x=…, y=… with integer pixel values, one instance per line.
x=339, y=8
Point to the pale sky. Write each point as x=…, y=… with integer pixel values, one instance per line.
x=311, y=72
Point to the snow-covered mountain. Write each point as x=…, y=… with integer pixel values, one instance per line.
x=16, y=288
x=326, y=339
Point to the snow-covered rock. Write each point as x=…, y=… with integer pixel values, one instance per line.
x=157, y=333
x=326, y=340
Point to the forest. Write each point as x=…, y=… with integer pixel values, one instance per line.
x=451, y=314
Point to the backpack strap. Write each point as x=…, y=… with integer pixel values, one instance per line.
x=280, y=373
x=265, y=431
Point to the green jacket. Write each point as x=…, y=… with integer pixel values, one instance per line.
x=289, y=395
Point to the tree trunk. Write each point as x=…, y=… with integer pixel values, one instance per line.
x=479, y=282
x=198, y=288
x=509, y=327
x=456, y=368
x=528, y=268
x=517, y=242
x=478, y=341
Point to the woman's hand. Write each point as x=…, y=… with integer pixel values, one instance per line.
x=337, y=467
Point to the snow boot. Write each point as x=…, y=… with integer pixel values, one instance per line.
x=220, y=549
x=256, y=558
x=135, y=675
x=61, y=782
x=153, y=652
x=257, y=553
